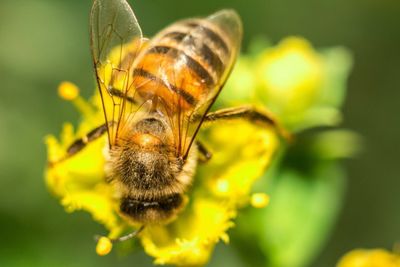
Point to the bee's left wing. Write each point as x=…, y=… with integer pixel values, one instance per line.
x=203, y=52
x=116, y=39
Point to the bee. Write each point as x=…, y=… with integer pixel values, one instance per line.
x=156, y=94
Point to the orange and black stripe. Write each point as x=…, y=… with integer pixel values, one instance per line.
x=183, y=63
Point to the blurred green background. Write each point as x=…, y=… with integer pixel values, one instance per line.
x=43, y=42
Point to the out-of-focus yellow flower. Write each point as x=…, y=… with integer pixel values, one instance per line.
x=242, y=84
x=221, y=186
x=291, y=74
x=302, y=86
x=370, y=258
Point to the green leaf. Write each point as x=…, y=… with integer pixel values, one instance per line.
x=301, y=215
x=294, y=227
x=338, y=62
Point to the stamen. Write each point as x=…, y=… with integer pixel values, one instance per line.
x=222, y=186
x=259, y=200
x=104, y=246
x=70, y=92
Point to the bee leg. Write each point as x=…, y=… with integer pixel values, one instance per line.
x=128, y=236
x=124, y=237
x=79, y=144
x=251, y=114
x=204, y=152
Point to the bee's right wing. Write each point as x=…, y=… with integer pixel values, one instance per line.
x=116, y=39
x=201, y=58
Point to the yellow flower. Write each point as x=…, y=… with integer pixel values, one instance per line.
x=241, y=85
x=291, y=74
x=221, y=186
x=303, y=87
x=370, y=258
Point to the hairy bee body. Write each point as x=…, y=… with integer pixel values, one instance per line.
x=144, y=161
x=155, y=95
x=148, y=174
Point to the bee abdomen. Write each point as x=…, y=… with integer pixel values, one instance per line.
x=193, y=56
x=151, y=211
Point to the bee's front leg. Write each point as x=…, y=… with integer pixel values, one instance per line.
x=204, y=152
x=80, y=143
x=251, y=114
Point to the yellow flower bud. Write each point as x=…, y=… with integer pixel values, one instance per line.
x=291, y=75
x=222, y=186
x=259, y=200
x=68, y=91
x=104, y=246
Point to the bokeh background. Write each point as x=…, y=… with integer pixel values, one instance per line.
x=43, y=42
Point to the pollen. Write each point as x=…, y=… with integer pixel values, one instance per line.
x=104, y=246
x=222, y=186
x=68, y=91
x=259, y=200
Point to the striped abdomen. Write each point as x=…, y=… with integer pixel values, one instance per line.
x=184, y=63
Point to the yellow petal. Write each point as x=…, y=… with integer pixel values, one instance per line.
x=369, y=258
x=291, y=75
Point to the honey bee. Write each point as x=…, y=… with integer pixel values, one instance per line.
x=156, y=94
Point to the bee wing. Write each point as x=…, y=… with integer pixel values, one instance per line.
x=116, y=39
x=204, y=56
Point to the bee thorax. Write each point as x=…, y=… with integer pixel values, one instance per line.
x=146, y=140
x=145, y=170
